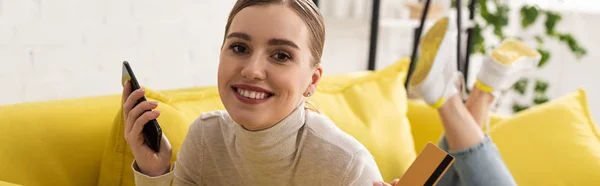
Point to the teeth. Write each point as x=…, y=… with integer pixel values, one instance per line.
x=251, y=94
x=246, y=93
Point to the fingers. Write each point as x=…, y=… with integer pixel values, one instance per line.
x=380, y=183
x=395, y=182
x=133, y=98
x=126, y=91
x=137, y=111
x=130, y=103
x=138, y=126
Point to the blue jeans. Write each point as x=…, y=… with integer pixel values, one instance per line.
x=477, y=165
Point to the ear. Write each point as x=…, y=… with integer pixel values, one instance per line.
x=315, y=78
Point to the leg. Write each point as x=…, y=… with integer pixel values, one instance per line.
x=479, y=103
x=460, y=128
x=477, y=160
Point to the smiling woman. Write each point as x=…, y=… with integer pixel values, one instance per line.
x=266, y=50
x=269, y=63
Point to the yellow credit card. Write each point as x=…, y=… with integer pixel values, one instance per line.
x=428, y=167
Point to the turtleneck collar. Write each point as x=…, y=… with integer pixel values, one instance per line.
x=273, y=144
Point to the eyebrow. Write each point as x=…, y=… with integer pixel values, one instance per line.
x=283, y=42
x=247, y=37
x=240, y=35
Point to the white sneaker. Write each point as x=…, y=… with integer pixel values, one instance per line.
x=434, y=76
x=505, y=65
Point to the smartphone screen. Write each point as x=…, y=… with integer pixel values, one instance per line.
x=152, y=131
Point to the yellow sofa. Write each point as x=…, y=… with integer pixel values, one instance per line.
x=77, y=141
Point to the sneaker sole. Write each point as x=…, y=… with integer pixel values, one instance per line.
x=429, y=49
x=510, y=51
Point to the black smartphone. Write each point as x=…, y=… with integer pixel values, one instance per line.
x=152, y=131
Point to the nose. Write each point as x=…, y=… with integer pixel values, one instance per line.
x=254, y=69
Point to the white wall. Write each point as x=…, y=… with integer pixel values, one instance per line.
x=72, y=48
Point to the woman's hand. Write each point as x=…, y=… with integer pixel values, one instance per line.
x=149, y=162
x=393, y=183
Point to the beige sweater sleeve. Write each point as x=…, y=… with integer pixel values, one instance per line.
x=187, y=168
x=362, y=171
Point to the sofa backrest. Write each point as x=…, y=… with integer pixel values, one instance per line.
x=55, y=142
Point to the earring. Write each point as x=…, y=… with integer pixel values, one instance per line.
x=309, y=94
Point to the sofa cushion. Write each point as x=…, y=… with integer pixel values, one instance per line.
x=371, y=107
x=194, y=101
x=115, y=168
x=55, y=142
x=552, y=144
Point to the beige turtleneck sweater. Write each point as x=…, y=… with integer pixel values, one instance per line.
x=305, y=148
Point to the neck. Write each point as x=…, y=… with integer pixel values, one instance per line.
x=273, y=144
x=300, y=104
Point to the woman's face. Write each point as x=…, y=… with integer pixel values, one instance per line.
x=265, y=66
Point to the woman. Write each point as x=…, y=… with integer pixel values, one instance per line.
x=269, y=63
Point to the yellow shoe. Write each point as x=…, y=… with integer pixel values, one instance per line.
x=505, y=65
x=433, y=78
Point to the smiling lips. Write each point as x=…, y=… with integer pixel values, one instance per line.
x=251, y=94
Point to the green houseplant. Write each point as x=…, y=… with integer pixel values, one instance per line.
x=494, y=15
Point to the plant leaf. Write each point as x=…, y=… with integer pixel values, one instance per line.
x=545, y=57
x=501, y=19
x=529, y=15
x=498, y=32
x=540, y=98
x=502, y=11
x=483, y=10
x=541, y=86
x=577, y=49
x=539, y=39
x=478, y=40
x=520, y=86
x=551, y=19
x=518, y=107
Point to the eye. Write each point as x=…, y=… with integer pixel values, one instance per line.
x=281, y=56
x=238, y=48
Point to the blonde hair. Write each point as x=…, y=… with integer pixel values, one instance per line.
x=306, y=9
